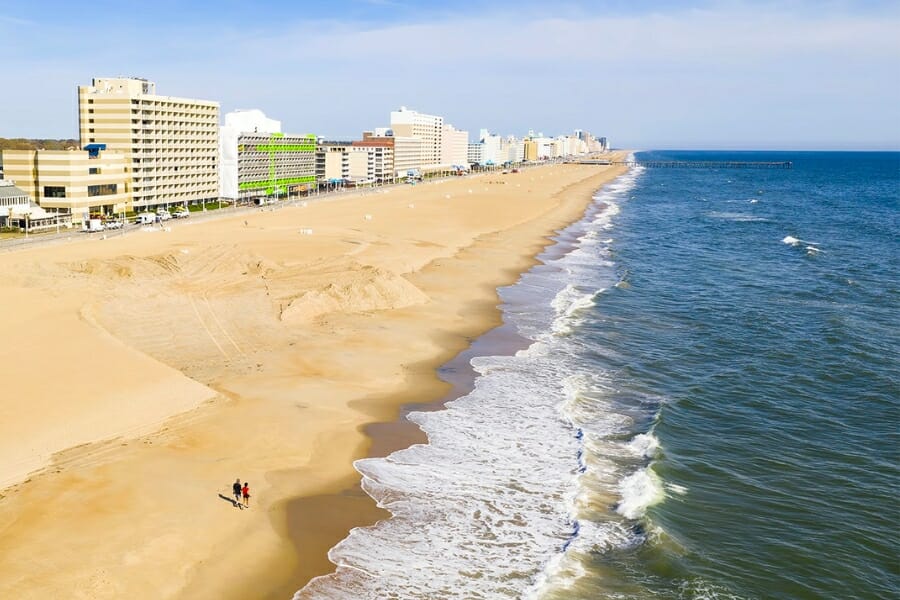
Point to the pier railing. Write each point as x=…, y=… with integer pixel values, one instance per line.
x=690, y=164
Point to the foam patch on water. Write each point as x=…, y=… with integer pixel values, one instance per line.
x=792, y=241
x=699, y=589
x=812, y=248
x=676, y=489
x=640, y=490
x=737, y=217
x=568, y=303
x=645, y=445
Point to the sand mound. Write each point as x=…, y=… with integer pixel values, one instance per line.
x=127, y=267
x=361, y=289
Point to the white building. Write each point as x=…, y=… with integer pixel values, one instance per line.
x=257, y=159
x=488, y=150
x=345, y=163
x=406, y=123
x=408, y=155
x=546, y=147
x=13, y=201
x=455, y=147
x=475, y=153
x=513, y=149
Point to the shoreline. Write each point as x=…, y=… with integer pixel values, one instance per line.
x=385, y=437
x=293, y=402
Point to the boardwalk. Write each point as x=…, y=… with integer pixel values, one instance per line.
x=690, y=164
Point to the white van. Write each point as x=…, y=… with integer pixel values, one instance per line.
x=92, y=225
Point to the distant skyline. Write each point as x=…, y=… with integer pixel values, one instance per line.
x=653, y=74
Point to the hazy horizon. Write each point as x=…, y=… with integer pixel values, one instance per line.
x=693, y=75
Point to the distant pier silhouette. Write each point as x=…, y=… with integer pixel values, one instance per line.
x=689, y=164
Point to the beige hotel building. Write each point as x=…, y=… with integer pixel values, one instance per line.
x=72, y=182
x=170, y=145
x=427, y=129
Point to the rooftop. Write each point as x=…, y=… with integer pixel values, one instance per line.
x=8, y=190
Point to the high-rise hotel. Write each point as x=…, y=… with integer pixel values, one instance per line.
x=170, y=144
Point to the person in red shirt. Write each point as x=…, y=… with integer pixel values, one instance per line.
x=246, y=493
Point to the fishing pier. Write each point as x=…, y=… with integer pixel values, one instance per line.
x=688, y=164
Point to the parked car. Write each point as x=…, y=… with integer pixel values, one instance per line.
x=181, y=214
x=145, y=218
x=163, y=215
x=113, y=225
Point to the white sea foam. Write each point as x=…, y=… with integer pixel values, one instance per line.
x=485, y=502
x=639, y=491
x=644, y=444
x=498, y=503
x=792, y=241
x=676, y=489
x=737, y=217
x=812, y=248
x=570, y=300
x=703, y=590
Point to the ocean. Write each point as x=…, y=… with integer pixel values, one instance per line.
x=705, y=405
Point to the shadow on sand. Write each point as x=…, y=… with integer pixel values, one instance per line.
x=231, y=501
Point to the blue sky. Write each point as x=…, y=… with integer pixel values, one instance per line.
x=704, y=74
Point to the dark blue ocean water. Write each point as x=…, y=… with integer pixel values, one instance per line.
x=708, y=407
x=777, y=368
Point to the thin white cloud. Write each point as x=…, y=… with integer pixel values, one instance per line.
x=15, y=20
x=726, y=71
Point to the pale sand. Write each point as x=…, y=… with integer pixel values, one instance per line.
x=144, y=373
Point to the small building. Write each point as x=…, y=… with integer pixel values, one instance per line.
x=332, y=162
x=381, y=153
x=78, y=183
x=12, y=200
x=33, y=218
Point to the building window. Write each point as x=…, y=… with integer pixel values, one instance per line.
x=94, y=171
x=102, y=190
x=52, y=191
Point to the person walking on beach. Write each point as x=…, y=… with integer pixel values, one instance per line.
x=236, y=488
x=246, y=492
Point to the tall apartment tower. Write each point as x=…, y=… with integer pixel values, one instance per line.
x=428, y=128
x=170, y=144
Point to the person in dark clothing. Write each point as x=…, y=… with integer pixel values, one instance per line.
x=236, y=488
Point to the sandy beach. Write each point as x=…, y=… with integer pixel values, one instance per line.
x=142, y=374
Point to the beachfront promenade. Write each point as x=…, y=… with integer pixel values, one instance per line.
x=230, y=208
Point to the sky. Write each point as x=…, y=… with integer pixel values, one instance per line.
x=712, y=74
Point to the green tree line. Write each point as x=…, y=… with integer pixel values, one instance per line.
x=28, y=144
